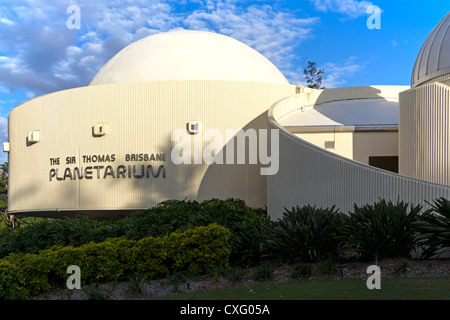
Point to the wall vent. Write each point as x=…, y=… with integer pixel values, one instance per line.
x=33, y=136
x=194, y=127
x=100, y=129
x=329, y=144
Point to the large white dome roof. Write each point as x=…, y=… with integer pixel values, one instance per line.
x=188, y=55
x=434, y=56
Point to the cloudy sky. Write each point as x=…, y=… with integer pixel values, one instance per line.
x=39, y=54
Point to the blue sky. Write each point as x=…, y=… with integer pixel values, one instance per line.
x=39, y=54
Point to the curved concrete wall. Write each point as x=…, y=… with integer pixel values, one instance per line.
x=311, y=175
x=141, y=118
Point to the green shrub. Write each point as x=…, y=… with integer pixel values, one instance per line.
x=327, y=266
x=249, y=241
x=12, y=282
x=384, y=229
x=195, y=250
x=231, y=273
x=264, y=271
x=434, y=228
x=402, y=268
x=136, y=285
x=46, y=233
x=247, y=225
x=5, y=223
x=93, y=292
x=305, y=234
x=302, y=271
x=98, y=262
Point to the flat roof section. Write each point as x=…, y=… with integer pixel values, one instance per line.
x=360, y=112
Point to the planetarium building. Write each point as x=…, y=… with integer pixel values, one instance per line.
x=198, y=115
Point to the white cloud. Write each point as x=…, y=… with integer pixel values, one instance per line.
x=54, y=57
x=350, y=8
x=41, y=55
x=336, y=74
x=6, y=17
x=3, y=138
x=3, y=129
x=15, y=64
x=29, y=94
x=275, y=34
x=3, y=89
x=6, y=21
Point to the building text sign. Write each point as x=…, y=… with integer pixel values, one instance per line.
x=137, y=165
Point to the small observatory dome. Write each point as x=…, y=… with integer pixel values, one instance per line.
x=188, y=55
x=434, y=56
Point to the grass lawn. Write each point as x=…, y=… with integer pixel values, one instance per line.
x=397, y=288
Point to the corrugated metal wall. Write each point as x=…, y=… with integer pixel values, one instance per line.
x=443, y=78
x=311, y=175
x=424, y=133
x=141, y=118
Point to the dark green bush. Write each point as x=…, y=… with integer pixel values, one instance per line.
x=196, y=250
x=327, y=266
x=384, y=229
x=46, y=233
x=305, y=234
x=434, y=228
x=302, y=271
x=264, y=271
x=11, y=282
x=247, y=225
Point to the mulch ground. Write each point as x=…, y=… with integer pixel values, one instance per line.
x=128, y=291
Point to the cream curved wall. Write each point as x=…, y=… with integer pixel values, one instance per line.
x=311, y=175
x=424, y=134
x=141, y=118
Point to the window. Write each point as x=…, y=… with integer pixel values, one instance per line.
x=389, y=163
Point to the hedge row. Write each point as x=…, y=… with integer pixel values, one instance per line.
x=166, y=217
x=196, y=250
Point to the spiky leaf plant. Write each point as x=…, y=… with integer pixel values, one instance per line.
x=384, y=229
x=305, y=234
x=434, y=229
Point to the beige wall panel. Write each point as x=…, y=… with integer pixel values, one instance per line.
x=424, y=133
x=343, y=141
x=358, y=146
x=141, y=118
x=369, y=144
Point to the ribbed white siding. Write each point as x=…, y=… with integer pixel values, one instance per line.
x=424, y=133
x=141, y=118
x=311, y=175
x=444, y=78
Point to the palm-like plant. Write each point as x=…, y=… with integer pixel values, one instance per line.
x=305, y=234
x=434, y=228
x=384, y=229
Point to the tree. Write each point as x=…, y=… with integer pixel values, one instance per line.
x=313, y=75
x=5, y=218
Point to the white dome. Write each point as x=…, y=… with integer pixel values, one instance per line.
x=188, y=55
x=434, y=56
